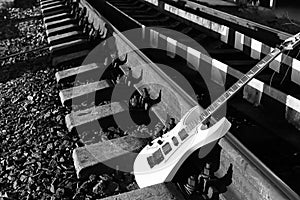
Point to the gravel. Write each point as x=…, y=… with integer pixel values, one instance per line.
x=35, y=147
x=36, y=161
x=21, y=37
x=10, y=14
x=21, y=30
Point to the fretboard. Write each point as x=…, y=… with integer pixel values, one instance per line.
x=234, y=88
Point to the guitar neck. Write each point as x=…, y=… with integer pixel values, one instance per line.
x=289, y=44
x=239, y=84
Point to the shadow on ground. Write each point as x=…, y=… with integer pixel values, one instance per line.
x=12, y=71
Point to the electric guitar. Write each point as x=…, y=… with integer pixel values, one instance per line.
x=159, y=161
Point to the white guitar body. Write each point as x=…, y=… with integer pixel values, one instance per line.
x=159, y=162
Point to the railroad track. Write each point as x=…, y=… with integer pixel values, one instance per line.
x=86, y=89
x=88, y=81
x=70, y=33
x=261, y=121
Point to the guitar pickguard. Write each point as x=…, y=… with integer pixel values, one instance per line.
x=160, y=164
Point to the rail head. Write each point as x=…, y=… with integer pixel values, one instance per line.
x=117, y=31
x=235, y=19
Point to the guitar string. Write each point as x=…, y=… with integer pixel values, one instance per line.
x=288, y=69
x=271, y=79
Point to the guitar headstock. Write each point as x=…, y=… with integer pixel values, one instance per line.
x=291, y=43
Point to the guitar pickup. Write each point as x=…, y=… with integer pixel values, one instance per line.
x=167, y=148
x=183, y=134
x=156, y=158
